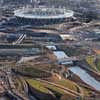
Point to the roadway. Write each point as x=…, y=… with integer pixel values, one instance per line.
x=10, y=85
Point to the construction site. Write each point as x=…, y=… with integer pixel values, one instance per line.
x=49, y=50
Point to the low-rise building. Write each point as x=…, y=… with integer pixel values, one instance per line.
x=62, y=58
x=51, y=47
x=67, y=37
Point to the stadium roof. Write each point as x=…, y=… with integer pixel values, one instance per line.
x=43, y=13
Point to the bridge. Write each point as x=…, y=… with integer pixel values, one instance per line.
x=20, y=39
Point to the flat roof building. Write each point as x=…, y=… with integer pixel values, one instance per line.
x=62, y=58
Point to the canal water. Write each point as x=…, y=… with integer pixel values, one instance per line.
x=4, y=98
x=87, y=78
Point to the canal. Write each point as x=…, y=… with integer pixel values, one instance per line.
x=86, y=77
x=4, y=98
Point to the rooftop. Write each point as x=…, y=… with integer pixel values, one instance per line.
x=43, y=13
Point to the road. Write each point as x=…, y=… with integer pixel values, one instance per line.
x=10, y=85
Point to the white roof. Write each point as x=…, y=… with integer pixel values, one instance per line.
x=21, y=13
x=51, y=47
x=66, y=62
x=66, y=36
x=60, y=55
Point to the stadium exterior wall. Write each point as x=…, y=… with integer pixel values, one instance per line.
x=39, y=21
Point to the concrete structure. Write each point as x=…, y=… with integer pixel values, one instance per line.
x=67, y=37
x=51, y=47
x=62, y=58
x=42, y=16
x=18, y=51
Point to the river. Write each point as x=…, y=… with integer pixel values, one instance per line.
x=4, y=98
x=87, y=78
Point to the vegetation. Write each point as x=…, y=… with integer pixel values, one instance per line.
x=98, y=64
x=68, y=84
x=90, y=61
x=43, y=66
x=18, y=84
x=73, y=51
x=86, y=91
x=93, y=62
x=37, y=85
x=44, y=87
x=33, y=72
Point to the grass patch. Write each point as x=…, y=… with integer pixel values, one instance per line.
x=37, y=85
x=95, y=64
x=54, y=88
x=90, y=61
x=67, y=84
x=36, y=73
x=45, y=87
x=98, y=64
x=73, y=51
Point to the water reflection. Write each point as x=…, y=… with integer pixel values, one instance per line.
x=87, y=78
x=4, y=98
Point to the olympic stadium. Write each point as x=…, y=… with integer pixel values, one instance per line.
x=42, y=16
